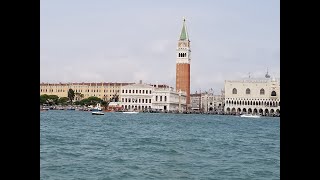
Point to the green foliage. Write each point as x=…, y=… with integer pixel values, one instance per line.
x=43, y=98
x=63, y=101
x=71, y=95
x=49, y=99
x=105, y=103
x=90, y=101
x=115, y=98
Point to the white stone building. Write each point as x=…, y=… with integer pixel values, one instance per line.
x=195, y=101
x=253, y=96
x=136, y=97
x=167, y=99
x=151, y=97
x=207, y=101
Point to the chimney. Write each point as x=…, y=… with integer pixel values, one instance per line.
x=140, y=82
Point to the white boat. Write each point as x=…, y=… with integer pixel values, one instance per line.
x=250, y=116
x=130, y=112
x=97, y=113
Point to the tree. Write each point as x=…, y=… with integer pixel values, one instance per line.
x=79, y=95
x=53, y=99
x=71, y=95
x=44, y=98
x=63, y=100
x=115, y=98
x=105, y=103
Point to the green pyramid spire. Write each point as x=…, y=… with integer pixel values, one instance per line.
x=184, y=34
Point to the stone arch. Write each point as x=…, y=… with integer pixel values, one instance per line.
x=266, y=112
x=261, y=111
x=278, y=111
x=245, y=102
x=234, y=91
x=254, y=103
x=244, y=110
x=262, y=91
x=233, y=110
x=249, y=111
x=255, y=111
x=273, y=93
x=248, y=91
x=238, y=110
x=272, y=111
x=228, y=110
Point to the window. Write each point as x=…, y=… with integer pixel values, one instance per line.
x=234, y=91
x=156, y=98
x=165, y=98
x=126, y=91
x=247, y=91
x=150, y=101
x=273, y=93
x=140, y=91
x=122, y=91
x=129, y=91
x=142, y=100
x=261, y=91
x=137, y=91
x=160, y=98
x=149, y=91
x=133, y=91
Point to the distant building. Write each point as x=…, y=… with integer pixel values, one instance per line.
x=136, y=97
x=183, y=54
x=195, y=101
x=207, y=101
x=253, y=96
x=102, y=90
x=167, y=99
x=152, y=97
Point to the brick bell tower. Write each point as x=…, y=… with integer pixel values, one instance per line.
x=183, y=63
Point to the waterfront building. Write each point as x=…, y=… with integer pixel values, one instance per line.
x=218, y=102
x=207, y=101
x=195, y=101
x=183, y=59
x=136, y=96
x=101, y=90
x=165, y=98
x=253, y=96
x=152, y=97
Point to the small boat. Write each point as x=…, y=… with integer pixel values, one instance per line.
x=130, y=112
x=250, y=116
x=97, y=113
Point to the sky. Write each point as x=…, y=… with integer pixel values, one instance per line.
x=128, y=41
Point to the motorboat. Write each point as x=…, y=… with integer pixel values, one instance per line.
x=97, y=113
x=250, y=116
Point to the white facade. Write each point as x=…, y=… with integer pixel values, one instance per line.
x=166, y=99
x=136, y=97
x=146, y=97
x=195, y=102
x=253, y=96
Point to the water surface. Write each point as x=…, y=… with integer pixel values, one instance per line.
x=78, y=145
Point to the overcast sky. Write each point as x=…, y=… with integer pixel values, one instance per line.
x=132, y=40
